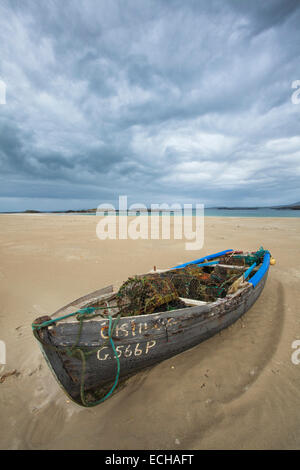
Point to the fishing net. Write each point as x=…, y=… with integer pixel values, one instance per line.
x=205, y=284
x=245, y=260
x=144, y=294
x=158, y=292
x=162, y=291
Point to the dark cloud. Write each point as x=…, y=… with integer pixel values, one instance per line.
x=266, y=15
x=163, y=101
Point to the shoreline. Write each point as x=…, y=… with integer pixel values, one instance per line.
x=284, y=216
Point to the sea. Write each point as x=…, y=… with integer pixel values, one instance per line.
x=259, y=212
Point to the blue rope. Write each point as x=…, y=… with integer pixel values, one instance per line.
x=81, y=313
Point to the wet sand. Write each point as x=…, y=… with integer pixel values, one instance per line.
x=237, y=390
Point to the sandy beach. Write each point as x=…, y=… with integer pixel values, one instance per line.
x=238, y=390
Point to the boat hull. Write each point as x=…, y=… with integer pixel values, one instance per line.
x=140, y=341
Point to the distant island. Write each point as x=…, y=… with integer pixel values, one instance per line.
x=294, y=207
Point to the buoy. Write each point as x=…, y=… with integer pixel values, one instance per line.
x=272, y=261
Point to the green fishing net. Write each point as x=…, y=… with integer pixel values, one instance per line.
x=245, y=260
x=162, y=291
x=143, y=294
x=159, y=292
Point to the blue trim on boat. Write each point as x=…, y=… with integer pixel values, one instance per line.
x=262, y=270
x=249, y=270
x=205, y=258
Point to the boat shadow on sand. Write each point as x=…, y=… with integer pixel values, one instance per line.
x=245, y=349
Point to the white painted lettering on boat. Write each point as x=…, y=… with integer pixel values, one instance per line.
x=150, y=345
x=142, y=327
x=119, y=350
x=138, y=351
x=103, y=328
x=126, y=351
x=122, y=331
x=104, y=357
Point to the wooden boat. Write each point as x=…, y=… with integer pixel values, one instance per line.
x=90, y=351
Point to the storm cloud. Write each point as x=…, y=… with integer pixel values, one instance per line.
x=162, y=101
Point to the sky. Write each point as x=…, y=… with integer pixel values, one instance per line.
x=164, y=101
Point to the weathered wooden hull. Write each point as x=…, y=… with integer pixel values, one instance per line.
x=140, y=341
